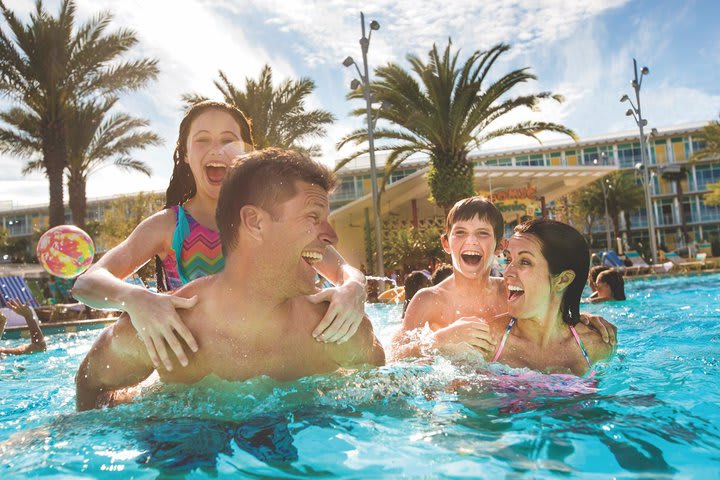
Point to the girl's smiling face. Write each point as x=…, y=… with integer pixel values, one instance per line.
x=209, y=133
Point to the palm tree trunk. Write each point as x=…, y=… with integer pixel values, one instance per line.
x=78, y=199
x=683, y=220
x=55, y=153
x=451, y=178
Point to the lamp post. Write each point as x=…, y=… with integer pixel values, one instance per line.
x=365, y=83
x=603, y=183
x=636, y=112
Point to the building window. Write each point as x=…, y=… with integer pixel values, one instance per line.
x=706, y=174
x=629, y=154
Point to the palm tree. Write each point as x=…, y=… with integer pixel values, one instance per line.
x=710, y=135
x=623, y=195
x=95, y=138
x=446, y=115
x=278, y=115
x=50, y=64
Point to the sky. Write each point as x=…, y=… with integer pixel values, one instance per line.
x=582, y=50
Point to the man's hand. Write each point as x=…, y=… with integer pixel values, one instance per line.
x=607, y=330
x=464, y=332
x=345, y=313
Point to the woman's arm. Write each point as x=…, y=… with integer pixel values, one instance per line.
x=347, y=298
x=153, y=315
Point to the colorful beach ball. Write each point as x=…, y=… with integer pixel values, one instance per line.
x=65, y=251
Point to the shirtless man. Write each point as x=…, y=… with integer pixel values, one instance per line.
x=252, y=318
x=455, y=309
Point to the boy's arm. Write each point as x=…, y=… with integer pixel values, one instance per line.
x=420, y=311
x=362, y=349
x=117, y=359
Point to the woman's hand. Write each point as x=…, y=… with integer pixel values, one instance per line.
x=466, y=331
x=157, y=323
x=345, y=313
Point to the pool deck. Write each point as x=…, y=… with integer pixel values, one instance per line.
x=14, y=333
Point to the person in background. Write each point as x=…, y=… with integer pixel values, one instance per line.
x=37, y=343
x=610, y=286
x=442, y=272
x=415, y=281
x=592, y=279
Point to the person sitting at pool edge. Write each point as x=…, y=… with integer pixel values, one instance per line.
x=609, y=286
x=548, y=263
x=455, y=310
x=253, y=318
x=37, y=343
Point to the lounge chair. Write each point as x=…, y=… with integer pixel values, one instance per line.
x=611, y=259
x=15, y=287
x=639, y=265
x=686, y=265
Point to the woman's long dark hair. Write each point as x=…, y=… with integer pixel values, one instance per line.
x=182, y=183
x=564, y=248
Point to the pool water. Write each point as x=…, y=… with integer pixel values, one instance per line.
x=654, y=412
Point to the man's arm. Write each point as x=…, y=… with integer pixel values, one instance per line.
x=362, y=349
x=118, y=359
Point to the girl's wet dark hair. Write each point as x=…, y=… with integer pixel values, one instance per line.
x=614, y=280
x=414, y=281
x=564, y=248
x=182, y=183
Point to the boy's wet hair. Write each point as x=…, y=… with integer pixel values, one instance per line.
x=182, y=185
x=564, y=248
x=481, y=207
x=265, y=178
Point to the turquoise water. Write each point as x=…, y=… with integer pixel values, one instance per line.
x=654, y=412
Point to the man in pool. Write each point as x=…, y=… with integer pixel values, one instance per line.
x=253, y=318
x=455, y=309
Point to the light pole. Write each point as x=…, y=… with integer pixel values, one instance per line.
x=365, y=83
x=636, y=113
x=603, y=183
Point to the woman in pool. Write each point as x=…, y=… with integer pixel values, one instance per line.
x=545, y=276
x=184, y=239
x=609, y=286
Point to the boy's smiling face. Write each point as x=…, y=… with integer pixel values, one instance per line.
x=472, y=245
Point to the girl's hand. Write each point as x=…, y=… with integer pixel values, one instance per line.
x=345, y=313
x=157, y=323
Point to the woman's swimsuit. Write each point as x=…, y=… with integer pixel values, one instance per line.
x=196, y=251
x=572, y=329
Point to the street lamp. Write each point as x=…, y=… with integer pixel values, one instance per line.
x=636, y=112
x=365, y=83
x=605, y=184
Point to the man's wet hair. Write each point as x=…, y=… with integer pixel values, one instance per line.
x=265, y=179
x=481, y=207
x=441, y=273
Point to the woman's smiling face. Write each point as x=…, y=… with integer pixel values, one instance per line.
x=527, y=277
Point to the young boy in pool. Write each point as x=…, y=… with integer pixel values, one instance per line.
x=254, y=317
x=455, y=308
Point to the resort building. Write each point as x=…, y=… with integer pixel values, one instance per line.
x=536, y=180
x=524, y=182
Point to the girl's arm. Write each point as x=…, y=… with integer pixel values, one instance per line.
x=347, y=298
x=152, y=314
